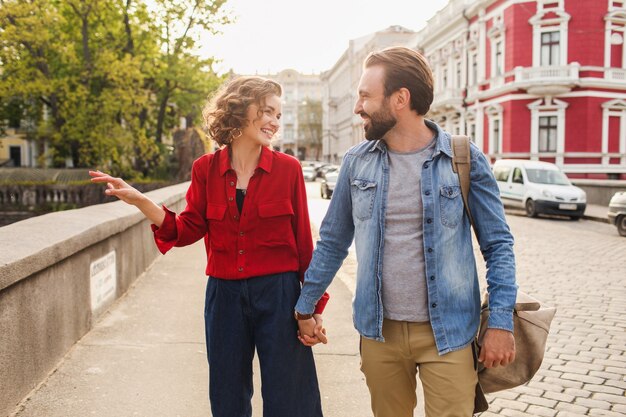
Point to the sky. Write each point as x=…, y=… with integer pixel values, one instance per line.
x=269, y=36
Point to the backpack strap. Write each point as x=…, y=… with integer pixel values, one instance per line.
x=461, y=165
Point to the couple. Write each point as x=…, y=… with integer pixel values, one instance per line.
x=417, y=298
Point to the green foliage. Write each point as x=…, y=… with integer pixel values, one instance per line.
x=102, y=82
x=310, y=125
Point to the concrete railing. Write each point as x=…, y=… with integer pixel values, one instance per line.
x=600, y=191
x=58, y=273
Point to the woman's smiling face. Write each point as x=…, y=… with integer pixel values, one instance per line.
x=263, y=120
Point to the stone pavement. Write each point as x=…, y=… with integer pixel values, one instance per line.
x=579, y=267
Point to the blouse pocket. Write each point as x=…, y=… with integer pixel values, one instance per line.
x=363, y=192
x=275, y=226
x=451, y=203
x=216, y=227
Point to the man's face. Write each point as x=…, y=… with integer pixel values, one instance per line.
x=372, y=105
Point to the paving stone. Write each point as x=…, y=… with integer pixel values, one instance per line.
x=536, y=410
x=611, y=362
x=589, y=403
x=583, y=378
x=514, y=405
x=507, y=395
x=618, y=384
x=608, y=413
x=595, y=355
x=566, y=383
x=544, y=386
x=606, y=389
x=524, y=389
x=529, y=399
x=547, y=373
x=577, y=392
x=515, y=413
x=613, y=399
x=559, y=396
x=572, y=408
x=607, y=375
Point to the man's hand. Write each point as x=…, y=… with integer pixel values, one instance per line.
x=311, y=332
x=498, y=348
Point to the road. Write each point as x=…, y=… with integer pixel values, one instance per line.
x=580, y=268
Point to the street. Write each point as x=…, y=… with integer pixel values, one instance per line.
x=580, y=268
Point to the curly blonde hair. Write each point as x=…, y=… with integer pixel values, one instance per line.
x=225, y=114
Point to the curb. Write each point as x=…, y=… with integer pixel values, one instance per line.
x=522, y=213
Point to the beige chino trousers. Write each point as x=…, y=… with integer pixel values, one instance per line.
x=390, y=370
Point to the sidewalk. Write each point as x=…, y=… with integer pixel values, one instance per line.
x=146, y=356
x=593, y=212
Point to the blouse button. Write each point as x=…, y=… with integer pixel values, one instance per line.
x=236, y=217
x=232, y=183
x=241, y=233
x=240, y=269
x=241, y=252
x=230, y=199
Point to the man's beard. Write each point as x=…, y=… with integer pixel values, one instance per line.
x=380, y=123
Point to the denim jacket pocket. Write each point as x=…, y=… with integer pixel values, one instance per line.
x=451, y=203
x=363, y=192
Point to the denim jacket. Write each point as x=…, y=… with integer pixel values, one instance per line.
x=357, y=210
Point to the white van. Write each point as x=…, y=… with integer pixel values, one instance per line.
x=538, y=187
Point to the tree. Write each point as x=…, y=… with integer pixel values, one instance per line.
x=310, y=125
x=103, y=80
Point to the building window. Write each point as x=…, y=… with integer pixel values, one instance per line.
x=495, y=136
x=547, y=128
x=474, y=72
x=472, y=132
x=547, y=133
x=550, y=48
x=498, y=57
x=444, y=78
x=458, y=75
x=550, y=25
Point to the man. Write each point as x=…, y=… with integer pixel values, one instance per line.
x=417, y=301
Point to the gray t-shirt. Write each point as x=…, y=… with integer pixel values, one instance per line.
x=404, y=291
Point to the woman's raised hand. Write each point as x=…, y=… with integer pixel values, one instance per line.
x=117, y=187
x=120, y=189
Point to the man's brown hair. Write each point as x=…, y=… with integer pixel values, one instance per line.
x=405, y=68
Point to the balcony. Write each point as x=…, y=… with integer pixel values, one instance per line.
x=547, y=80
x=617, y=74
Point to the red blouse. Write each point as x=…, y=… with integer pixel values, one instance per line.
x=271, y=235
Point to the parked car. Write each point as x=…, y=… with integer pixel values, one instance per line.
x=328, y=184
x=328, y=168
x=539, y=188
x=309, y=173
x=617, y=212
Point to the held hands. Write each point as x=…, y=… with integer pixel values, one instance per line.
x=498, y=348
x=311, y=332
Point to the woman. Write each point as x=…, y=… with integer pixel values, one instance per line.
x=249, y=204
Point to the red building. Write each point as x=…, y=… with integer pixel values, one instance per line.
x=540, y=79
